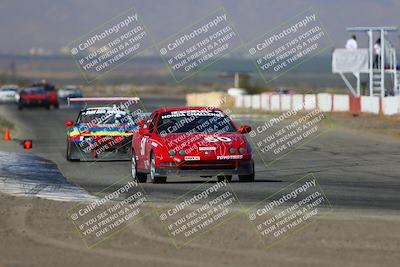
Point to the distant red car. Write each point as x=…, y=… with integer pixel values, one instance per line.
x=51, y=93
x=191, y=141
x=33, y=96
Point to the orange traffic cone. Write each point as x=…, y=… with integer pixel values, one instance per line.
x=7, y=134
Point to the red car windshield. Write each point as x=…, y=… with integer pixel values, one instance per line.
x=196, y=121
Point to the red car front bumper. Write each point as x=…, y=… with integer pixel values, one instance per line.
x=207, y=168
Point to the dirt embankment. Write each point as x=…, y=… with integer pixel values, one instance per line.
x=36, y=232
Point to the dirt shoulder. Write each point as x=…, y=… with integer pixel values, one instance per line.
x=41, y=230
x=4, y=124
x=363, y=122
x=378, y=124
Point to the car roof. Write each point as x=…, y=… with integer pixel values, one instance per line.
x=9, y=86
x=38, y=88
x=170, y=109
x=70, y=86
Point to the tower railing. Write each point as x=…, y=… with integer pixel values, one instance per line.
x=376, y=67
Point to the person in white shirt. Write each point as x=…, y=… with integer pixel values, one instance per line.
x=352, y=43
x=377, y=53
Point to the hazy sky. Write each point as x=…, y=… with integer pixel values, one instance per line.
x=51, y=24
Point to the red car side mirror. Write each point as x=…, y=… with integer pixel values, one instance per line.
x=140, y=123
x=144, y=131
x=69, y=123
x=244, y=129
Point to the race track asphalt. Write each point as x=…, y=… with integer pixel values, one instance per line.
x=356, y=170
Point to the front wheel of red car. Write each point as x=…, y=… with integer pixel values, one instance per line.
x=155, y=178
x=248, y=177
x=137, y=176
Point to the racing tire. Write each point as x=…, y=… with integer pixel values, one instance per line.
x=137, y=176
x=227, y=178
x=68, y=153
x=155, y=179
x=248, y=177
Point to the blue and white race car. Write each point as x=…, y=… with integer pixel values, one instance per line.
x=101, y=133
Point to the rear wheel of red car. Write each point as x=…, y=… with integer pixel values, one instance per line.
x=154, y=178
x=248, y=177
x=137, y=176
x=227, y=178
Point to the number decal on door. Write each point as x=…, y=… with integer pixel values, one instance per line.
x=213, y=139
x=143, y=145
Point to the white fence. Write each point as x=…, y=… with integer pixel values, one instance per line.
x=325, y=102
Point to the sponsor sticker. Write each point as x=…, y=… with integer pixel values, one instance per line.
x=214, y=139
x=154, y=144
x=192, y=158
x=230, y=157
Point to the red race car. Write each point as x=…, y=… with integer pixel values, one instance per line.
x=51, y=93
x=39, y=94
x=191, y=141
x=33, y=96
